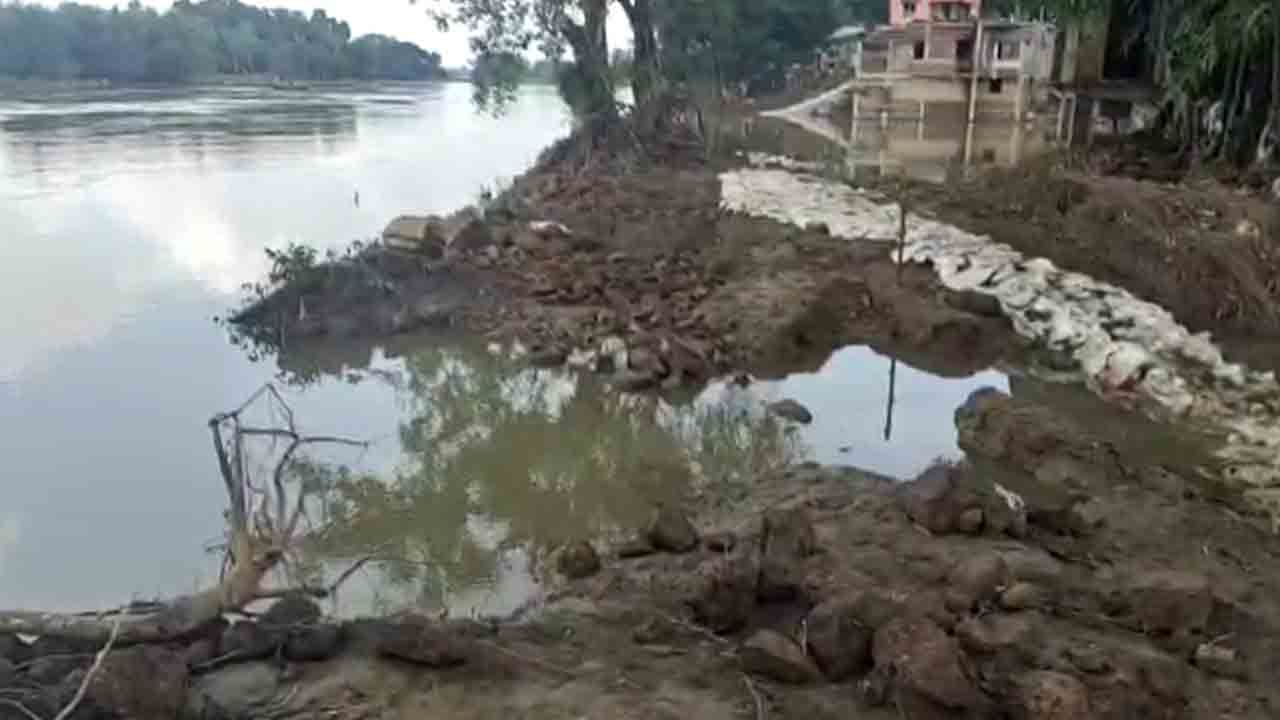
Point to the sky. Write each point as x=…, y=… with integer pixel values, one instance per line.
x=396, y=18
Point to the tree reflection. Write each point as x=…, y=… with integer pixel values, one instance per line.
x=499, y=458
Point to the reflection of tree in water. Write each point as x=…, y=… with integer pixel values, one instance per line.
x=499, y=458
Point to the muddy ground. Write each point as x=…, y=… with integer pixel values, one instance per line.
x=1051, y=577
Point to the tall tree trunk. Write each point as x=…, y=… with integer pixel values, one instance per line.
x=1236, y=90
x=646, y=73
x=590, y=45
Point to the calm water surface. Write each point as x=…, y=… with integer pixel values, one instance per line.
x=131, y=218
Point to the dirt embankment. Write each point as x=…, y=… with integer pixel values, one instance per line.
x=1206, y=252
x=1054, y=578
x=568, y=262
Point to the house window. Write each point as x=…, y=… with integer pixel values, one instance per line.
x=908, y=9
x=964, y=49
x=996, y=86
x=917, y=51
x=1007, y=50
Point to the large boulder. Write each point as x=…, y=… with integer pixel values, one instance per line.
x=925, y=660
x=578, y=560
x=294, y=608
x=423, y=234
x=726, y=593
x=975, y=581
x=671, y=531
x=242, y=690
x=788, y=539
x=421, y=642
x=313, y=643
x=775, y=656
x=838, y=641
x=937, y=501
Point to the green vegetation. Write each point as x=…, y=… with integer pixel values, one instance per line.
x=194, y=40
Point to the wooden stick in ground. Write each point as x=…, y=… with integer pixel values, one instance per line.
x=761, y=713
x=902, y=235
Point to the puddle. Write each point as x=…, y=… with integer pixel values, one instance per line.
x=497, y=464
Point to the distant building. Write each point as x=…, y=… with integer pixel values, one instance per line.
x=903, y=12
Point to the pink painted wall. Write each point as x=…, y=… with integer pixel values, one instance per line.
x=924, y=9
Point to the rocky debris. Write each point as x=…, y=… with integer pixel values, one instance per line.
x=938, y=502
x=1220, y=660
x=791, y=410
x=773, y=655
x=1088, y=659
x=1048, y=695
x=645, y=361
x=139, y=682
x=243, y=690
x=578, y=560
x=1021, y=596
x=635, y=381
x=549, y=230
x=551, y=357
x=992, y=633
x=295, y=608
x=635, y=548
x=671, y=531
x=726, y=593
x=1169, y=601
x=249, y=640
x=53, y=669
x=13, y=649
x=313, y=643
x=721, y=542
x=838, y=641
x=975, y=302
x=420, y=641
x=922, y=658
x=976, y=581
x=413, y=233
x=786, y=541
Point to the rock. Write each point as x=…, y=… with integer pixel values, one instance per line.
x=1088, y=515
x=548, y=357
x=418, y=234
x=818, y=227
x=313, y=643
x=139, y=682
x=924, y=659
x=53, y=669
x=547, y=229
x=773, y=655
x=241, y=690
x=1021, y=596
x=578, y=560
x=636, y=548
x=294, y=608
x=1088, y=658
x=1248, y=229
x=419, y=641
x=201, y=651
x=249, y=640
x=726, y=594
x=935, y=501
x=671, y=531
x=1048, y=695
x=472, y=235
x=13, y=649
x=875, y=608
x=837, y=640
x=635, y=381
x=993, y=633
x=1219, y=660
x=970, y=521
x=791, y=410
x=788, y=539
x=975, y=581
x=7, y=672
x=721, y=542
x=646, y=361
x=1169, y=601
x=971, y=301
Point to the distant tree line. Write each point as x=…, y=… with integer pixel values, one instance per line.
x=197, y=39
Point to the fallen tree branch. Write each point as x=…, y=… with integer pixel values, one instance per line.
x=88, y=676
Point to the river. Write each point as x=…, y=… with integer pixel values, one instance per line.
x=131, y=218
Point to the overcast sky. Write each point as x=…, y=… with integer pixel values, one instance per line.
x=396, y=18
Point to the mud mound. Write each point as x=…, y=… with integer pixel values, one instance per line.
x=1211, y=257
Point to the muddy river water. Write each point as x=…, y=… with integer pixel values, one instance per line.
x=131, y=219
